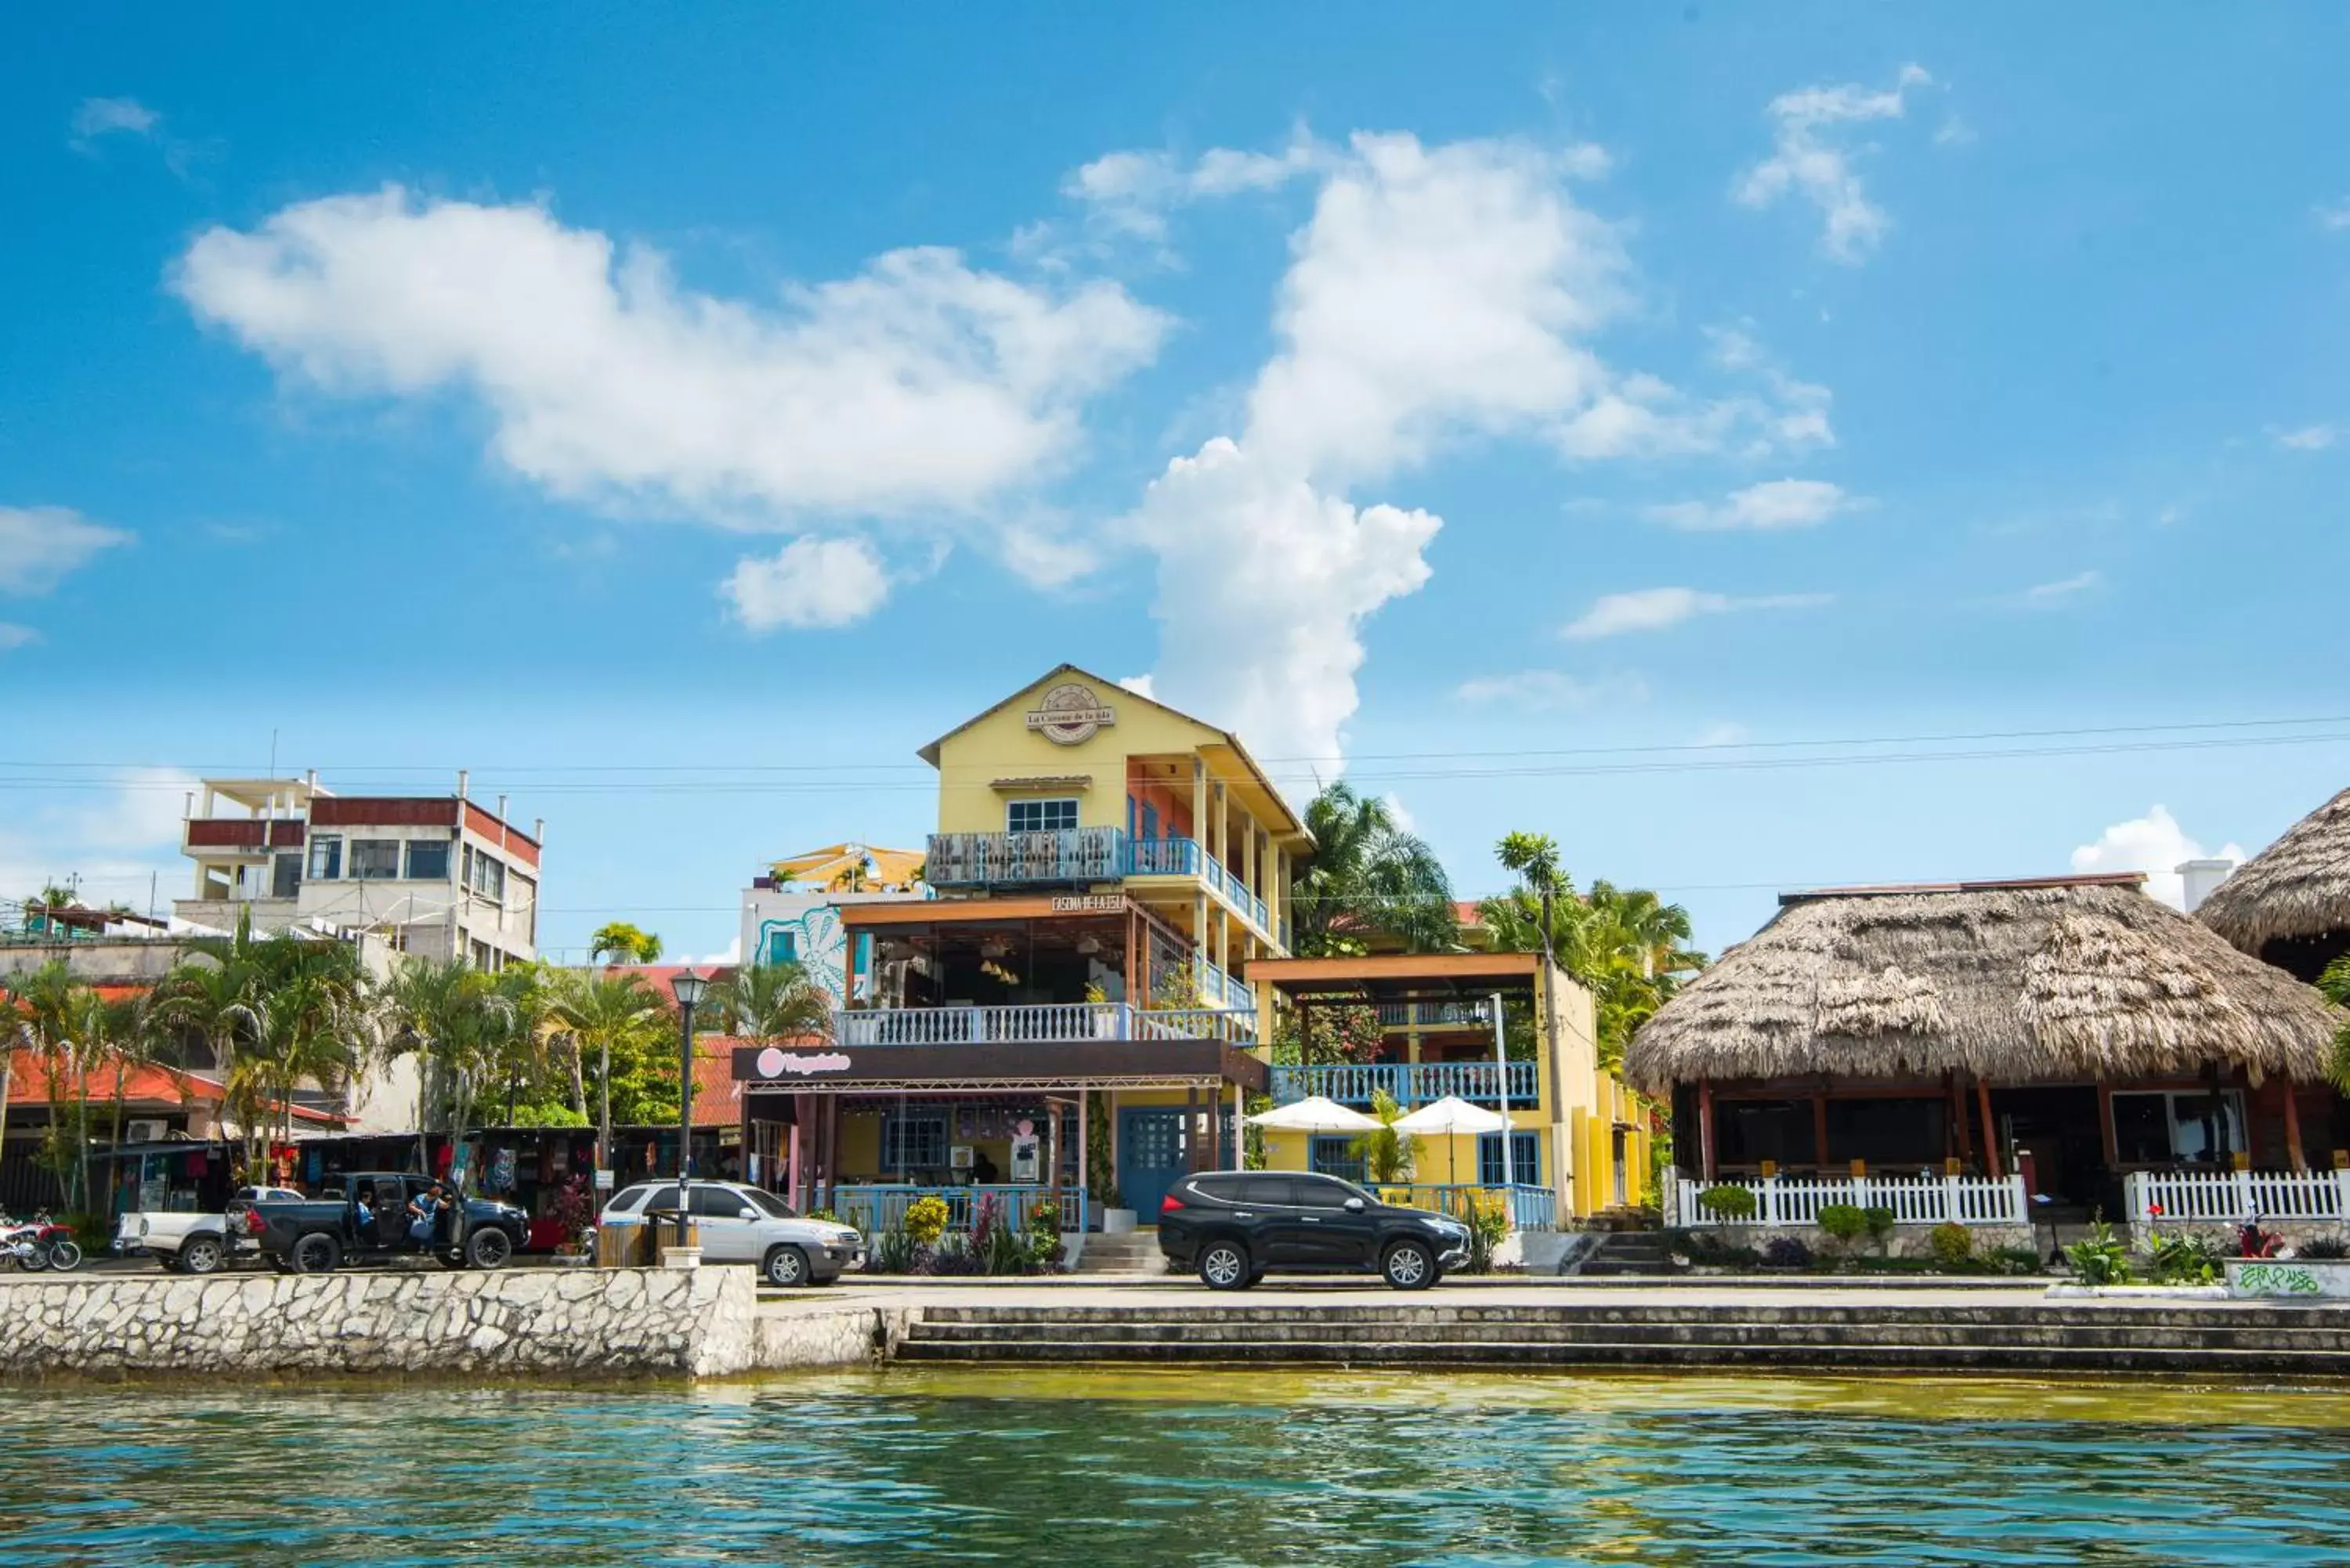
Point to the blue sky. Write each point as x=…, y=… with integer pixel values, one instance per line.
x=1459, y=402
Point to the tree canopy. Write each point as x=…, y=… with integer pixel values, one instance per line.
x=1366, y=877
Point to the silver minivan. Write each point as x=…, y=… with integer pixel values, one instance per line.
x=740, y=1224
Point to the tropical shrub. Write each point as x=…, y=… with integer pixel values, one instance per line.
x=1387, y=1155
x=2182, y=1259
x=2013, y=1261
x=2098, y=1257
x=1843, y=1222
x=926, y=1220
x=1045, y=1235
x=1488, y=1225
x=1952, y=1243
x=892, y=1253
x=1728, y=1202
x=1786, y=1252
x=2324, y=1248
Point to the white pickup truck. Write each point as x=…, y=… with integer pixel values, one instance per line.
x=188, y=1243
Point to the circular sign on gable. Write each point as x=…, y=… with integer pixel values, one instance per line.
x=771, y=1062
x=1070, y=714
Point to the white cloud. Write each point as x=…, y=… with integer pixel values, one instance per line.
x=40, y=544
x=1131, y=193
x=1140, y=685
x=1807, y=160
x=98, y=117
x=2308, y=438
x=2045, y=595
x=114, y=843
x=917, y=385
x=1954, y=132
x=809, y=583
x=2154, y=844
x=1772, y=505
x=143, y=811
x=15, y=636
x=1397, y=812
x=1729, y=734
x=1655, y=609
x=1263, y=585
x=1545, y=691
x=2335, y=218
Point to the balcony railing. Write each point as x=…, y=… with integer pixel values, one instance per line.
x=1408, y=1083
x=1042, y=1024
x=1913, y=1200
x=1529, y=1208
x=1432, y=1015
x=1084, y=855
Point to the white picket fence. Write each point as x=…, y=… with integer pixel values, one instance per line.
x=1914, y=1199
x=2230, y=1197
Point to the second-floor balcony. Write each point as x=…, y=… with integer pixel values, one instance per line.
x=1040, y=1023
x=1080, y=854
x=1408, y=1083
x=1435, y=1015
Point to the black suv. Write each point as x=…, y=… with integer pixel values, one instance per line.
x=1236, y=1226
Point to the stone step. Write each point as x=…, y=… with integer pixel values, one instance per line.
x=2104, y=1336
x=1383, y=1310
x=1603, y=1352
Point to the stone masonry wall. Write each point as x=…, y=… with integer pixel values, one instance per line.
x=699, y=1323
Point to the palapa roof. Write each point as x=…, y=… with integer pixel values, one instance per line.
x=2297, y=887
x=2064, y=977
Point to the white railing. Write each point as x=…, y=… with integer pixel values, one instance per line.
x=1914, y=1199
x=1409, y=1084
x=2230, y=1196
x=1039, y=1024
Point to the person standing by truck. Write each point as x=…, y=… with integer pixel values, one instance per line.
x=422, y=1209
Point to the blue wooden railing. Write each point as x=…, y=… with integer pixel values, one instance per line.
x=1408, y=1083
x=1084, y=855
x=1530, y=1208
x=882, y=1207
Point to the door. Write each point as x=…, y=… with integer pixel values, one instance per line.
x=1328, y=1231
x=1152, y=1155
x=1277, y=1227
x=726, y=1236
x=1622, y=1198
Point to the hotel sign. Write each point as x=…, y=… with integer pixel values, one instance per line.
x=1071, y=714
x=1089, y=904
x=775, y=1064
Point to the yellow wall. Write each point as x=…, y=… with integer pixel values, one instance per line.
x=1001, y=745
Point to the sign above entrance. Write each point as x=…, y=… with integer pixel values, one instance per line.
x=1070, y=714
x=773, y=1063
x=1089, y=904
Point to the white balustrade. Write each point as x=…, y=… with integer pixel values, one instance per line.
x=1914, y=1199
x=2230, y=1196
x=1039, y=1024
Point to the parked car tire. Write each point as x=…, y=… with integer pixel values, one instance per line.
x=1408, y=1266
x=200, y=1255
x=317, y=1254
x=786, y=1266
x=489, y=1248
x=1224, y=1266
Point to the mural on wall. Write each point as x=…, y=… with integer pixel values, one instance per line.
x=817, y=939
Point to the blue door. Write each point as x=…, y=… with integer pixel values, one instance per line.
x=1152, y=1157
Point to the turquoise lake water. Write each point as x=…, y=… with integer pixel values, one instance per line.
x=1094, y=1470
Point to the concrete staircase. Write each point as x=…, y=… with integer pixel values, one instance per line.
x=1625, y=1253
x=2179, y=1338
x=1135, y=1252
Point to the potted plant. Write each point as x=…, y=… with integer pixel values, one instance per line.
x=1117, y=1219
x=1105, y=1016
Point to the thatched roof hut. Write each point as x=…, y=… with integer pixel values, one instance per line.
x=2068, y=978
x=2294, y=893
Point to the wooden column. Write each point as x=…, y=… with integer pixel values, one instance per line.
x=1705, y=1127
x=1085, y=1140
x=1962, y=1138
x=2293, y=1151
x=1199, y=805
x=1191, y=1139
x=2107, y=1140
x=1990, y=1131
x=1820, y=1130
x=1136, y=934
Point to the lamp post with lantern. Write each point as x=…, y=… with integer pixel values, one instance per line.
x=689, y=988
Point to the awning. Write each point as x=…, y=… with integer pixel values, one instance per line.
x=1004, y=1067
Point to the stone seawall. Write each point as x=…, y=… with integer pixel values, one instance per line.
x=702, y=1322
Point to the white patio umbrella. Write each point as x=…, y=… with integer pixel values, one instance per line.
x=1449, y=1115
x=1318, y=1114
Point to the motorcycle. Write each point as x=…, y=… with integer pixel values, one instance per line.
x=40, y=1243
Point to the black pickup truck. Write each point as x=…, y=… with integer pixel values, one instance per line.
x=365, y=1217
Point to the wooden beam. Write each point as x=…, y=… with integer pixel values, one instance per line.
x=1820, y=1131
x=1990, y=1131
x=1705, y=1127
x=2107, y=1141
x=2293, y=1151
x=1960, y=1133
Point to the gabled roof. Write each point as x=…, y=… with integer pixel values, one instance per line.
x=929, y=754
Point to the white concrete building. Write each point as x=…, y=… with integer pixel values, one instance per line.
x=788, y=914
x=436, y=876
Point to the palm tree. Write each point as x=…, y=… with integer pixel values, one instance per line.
x=618, y=1016
x=51, y=1022
x=214, y=1000
x=629, y=943
x=1366, y=877
x=770, y=1002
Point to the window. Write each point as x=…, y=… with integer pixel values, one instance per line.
x=486, y=874
x=1525, y=1159
x=628, y=1202
x=1308, y=1193
x=2158, y=1128
x=663, y=1200
x=286, y=877
x=1150, y=821
x=428, y=860
x=909, y=1142
x=375, y=859
x=479, y=954
x=718, y=1203
x=769, y=1204
x=326, y=857
x=783, y=947
x=1268, y=1191
x=1042, y=816
x=1335, y=1157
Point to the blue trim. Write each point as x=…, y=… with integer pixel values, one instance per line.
x=1525, y=1158
x=1333, y=1154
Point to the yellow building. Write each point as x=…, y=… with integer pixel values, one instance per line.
x=1087, y=1005
x=1579, y=1140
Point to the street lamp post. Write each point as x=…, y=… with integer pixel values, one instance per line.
x=689, y=987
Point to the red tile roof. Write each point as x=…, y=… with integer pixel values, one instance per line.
x=28, y=1079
